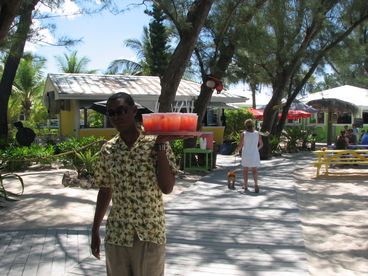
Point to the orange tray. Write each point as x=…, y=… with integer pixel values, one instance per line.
x=179, y=133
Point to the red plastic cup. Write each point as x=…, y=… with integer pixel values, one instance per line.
x=171, y=122
x=147, y=122
x=188, y=122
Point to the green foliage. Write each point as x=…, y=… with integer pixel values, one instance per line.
x=28, y=83
x=69, y=152
x=75, y=144
x=17, y=158
x=235, y=123
x=296, y=137
x=95, y=119
x=71, y=63
x=274, y=143
x=158, y=54
x=152, y=51
x=178, y=148
x=85, y=162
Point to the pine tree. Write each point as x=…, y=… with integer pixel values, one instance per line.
x=158, y=57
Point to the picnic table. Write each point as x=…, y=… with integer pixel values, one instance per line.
x=330, y=157
x=357, y=146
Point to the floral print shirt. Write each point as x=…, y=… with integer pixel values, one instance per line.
x=137, y=205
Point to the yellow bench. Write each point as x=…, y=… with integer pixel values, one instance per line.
x=340, y=157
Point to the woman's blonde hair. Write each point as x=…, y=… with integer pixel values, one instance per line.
x=249, y=125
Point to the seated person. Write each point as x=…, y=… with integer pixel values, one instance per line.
x=342, y=141
x=364, y=139
x=361, y=135
x=351, y=137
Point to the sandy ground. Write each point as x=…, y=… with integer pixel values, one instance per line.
x=334, y=214
x=47, y=203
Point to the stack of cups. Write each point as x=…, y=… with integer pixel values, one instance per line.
x=170, y=122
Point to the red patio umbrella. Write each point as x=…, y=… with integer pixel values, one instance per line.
x=298, y=114
x=257, y=114
x=292, y=114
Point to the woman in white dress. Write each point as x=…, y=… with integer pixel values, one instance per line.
x=250, y=143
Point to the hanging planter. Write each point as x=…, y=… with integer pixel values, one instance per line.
x=214, y=83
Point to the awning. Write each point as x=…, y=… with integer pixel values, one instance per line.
x=222, y=105
x=100, y=107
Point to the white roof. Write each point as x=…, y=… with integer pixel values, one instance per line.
x=262, y=98
x=147, y=88
x=347, y=93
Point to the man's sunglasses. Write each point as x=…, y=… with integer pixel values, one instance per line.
x=121, y=110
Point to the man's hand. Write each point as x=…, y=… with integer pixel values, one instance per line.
x=95, y=243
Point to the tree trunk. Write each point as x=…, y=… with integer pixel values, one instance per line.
x=329, y=127
x=11, y=66
x=8, y=10
x=270, y=117
x=197, y=15
x=253, y=88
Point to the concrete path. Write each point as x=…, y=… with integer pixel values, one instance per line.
x=211, y=231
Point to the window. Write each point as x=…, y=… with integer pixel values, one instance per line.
x=344, y=118
x=91, y=119
x=212, y=116
x=365, y=117
x=320, y=118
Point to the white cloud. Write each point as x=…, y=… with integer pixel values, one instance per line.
x=44, y=36
x=68, y=8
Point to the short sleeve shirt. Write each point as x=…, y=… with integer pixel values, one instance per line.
x=137, y=205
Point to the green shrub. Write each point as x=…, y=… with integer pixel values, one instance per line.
x=235, y=122
x=178, y=148
x=296, y=136
x=19, y=158
x=85, y=162
x=75, y=144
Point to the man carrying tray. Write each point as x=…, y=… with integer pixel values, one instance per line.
x=133, y=170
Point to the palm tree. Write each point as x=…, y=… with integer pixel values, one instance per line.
x=152, y=52
x=71, y=63
x=28, y=83
x=129, y=67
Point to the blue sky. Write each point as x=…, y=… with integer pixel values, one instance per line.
x=103, y=37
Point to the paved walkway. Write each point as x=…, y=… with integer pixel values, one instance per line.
x=211, y=231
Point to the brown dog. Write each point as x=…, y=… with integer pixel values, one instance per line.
x=231, y=176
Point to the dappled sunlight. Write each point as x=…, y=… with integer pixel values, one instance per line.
x=233, y=231
x=47, y=203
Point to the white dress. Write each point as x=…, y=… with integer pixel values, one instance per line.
x=250, y=153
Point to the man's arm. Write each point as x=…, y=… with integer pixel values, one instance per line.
x=103, y=201
x=165, y=175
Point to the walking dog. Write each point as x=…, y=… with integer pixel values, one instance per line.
x=231, y=176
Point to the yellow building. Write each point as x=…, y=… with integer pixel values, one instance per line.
x=69, y=98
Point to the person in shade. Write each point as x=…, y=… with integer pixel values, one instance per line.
x=133, y=171
x=25, y=136
x=250, y=144
x=342, y=141
x=364, y=138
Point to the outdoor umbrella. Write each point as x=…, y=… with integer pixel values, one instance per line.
x=257, y=114
x=331, y=105
x=100, y=107
x=298, y=114
x=292, y=114
x=298, y=105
